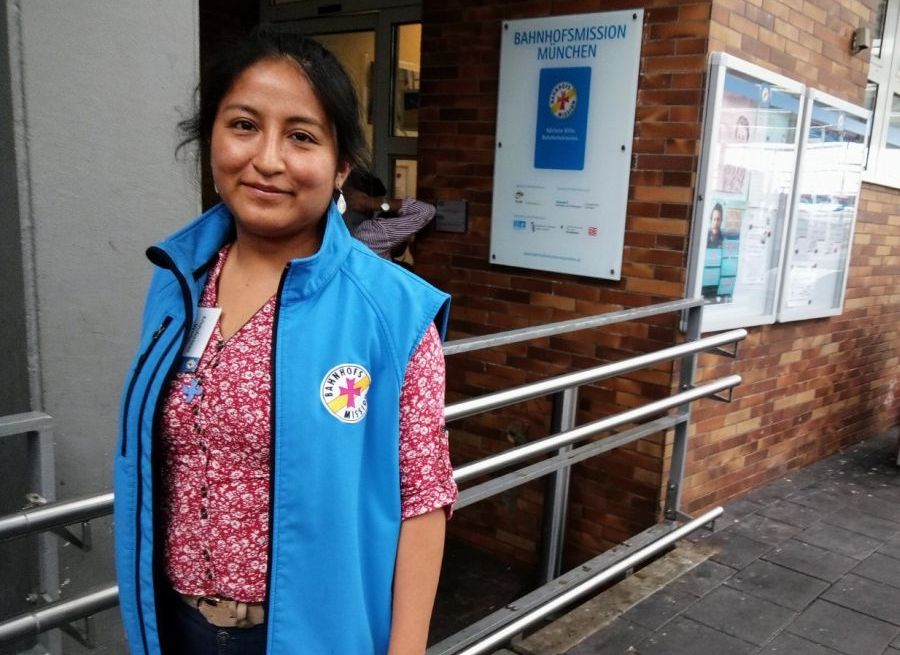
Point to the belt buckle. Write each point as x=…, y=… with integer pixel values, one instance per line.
x=217, y=611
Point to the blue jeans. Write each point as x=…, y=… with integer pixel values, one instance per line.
x=184, y=631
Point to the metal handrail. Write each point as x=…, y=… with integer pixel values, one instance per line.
x=573, y=594
x=557, y=441
x=15, y=424
x=469, y=344
x=499, y=399
x=58, y=614
x=54, y=515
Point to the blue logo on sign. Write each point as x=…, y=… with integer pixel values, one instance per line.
x=519, y=224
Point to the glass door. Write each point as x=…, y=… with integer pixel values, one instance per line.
x=381, y=51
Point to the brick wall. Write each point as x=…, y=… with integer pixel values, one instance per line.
x=617, y=495
x=809, y=386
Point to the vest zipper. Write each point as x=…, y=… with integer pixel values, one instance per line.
x=268, y=598
x=162, y=259
x=137, y=372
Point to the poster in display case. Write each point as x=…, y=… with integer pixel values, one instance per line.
x=823, y=213
x=751, y=139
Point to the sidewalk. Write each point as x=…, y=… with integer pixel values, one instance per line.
x=806, y=565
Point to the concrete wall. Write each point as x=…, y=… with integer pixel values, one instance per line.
x=100, y=86
x=15, y=396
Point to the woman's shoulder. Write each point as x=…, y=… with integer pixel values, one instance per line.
x=378, y=272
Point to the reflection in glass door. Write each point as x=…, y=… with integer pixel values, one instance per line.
x=356, y=52
x=381, y=51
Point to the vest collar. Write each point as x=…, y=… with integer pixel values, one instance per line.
x=192, y=249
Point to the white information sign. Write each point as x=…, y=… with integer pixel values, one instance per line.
x=565, y=120
x=829, y=176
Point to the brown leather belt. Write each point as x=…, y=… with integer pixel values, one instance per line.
x=226, y=613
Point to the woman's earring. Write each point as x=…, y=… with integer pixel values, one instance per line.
x=341, y=203
x=215, y=188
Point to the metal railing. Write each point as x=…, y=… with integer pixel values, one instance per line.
x=567, y=443
x=37, y=429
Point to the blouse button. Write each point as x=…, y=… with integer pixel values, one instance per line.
x=206, y=555
x=203, y=513
x=203, y=491
x=208, y=574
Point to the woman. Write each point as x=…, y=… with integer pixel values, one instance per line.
x=282, y=472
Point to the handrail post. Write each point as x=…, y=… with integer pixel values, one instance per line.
x=556, y=496
x=686, y=373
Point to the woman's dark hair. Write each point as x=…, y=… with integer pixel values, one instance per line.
x=329, y=81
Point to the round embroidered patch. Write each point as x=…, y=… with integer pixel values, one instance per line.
x=344, y=391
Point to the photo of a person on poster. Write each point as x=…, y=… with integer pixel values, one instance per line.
x=721, y=258
x=714, y=236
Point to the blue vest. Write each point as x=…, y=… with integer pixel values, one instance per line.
x=345, y=316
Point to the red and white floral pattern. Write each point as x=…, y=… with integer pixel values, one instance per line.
x=215, y=448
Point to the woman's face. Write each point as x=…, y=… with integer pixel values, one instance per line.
x=274, y=153
x=715, y=221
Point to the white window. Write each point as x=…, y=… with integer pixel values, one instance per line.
x=883, y=96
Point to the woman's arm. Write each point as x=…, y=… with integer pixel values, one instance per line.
x=416, y=574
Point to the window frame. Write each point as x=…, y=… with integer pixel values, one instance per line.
x=882, y=167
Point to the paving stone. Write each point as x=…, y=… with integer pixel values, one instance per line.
x=880, y=568
x=866, y=524
x=778, y=584
x=843, y=629
x=772, y=492
x=619, y=637
x=660, y=608
x=820, y=498
x=734, y=512
x=740, y=615
x=767, y=530
x=683, y=637
x=788, y=644
x=891, y=548
x=878, y=600
x=875, y=505
x=703, y=578
x=839, y=540
x=891, y=494
x=811, y=560
x=792, y=513
x=734, y=549
x=805, y=477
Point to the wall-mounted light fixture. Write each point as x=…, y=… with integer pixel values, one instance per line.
x=862, y=40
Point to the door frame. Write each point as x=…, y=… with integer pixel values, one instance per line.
x=380, y=17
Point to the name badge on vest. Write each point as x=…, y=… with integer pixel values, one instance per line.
x=201, y=332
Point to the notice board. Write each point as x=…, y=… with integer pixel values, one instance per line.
x=750, y=145
x=829, y=177
x=565, y=121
